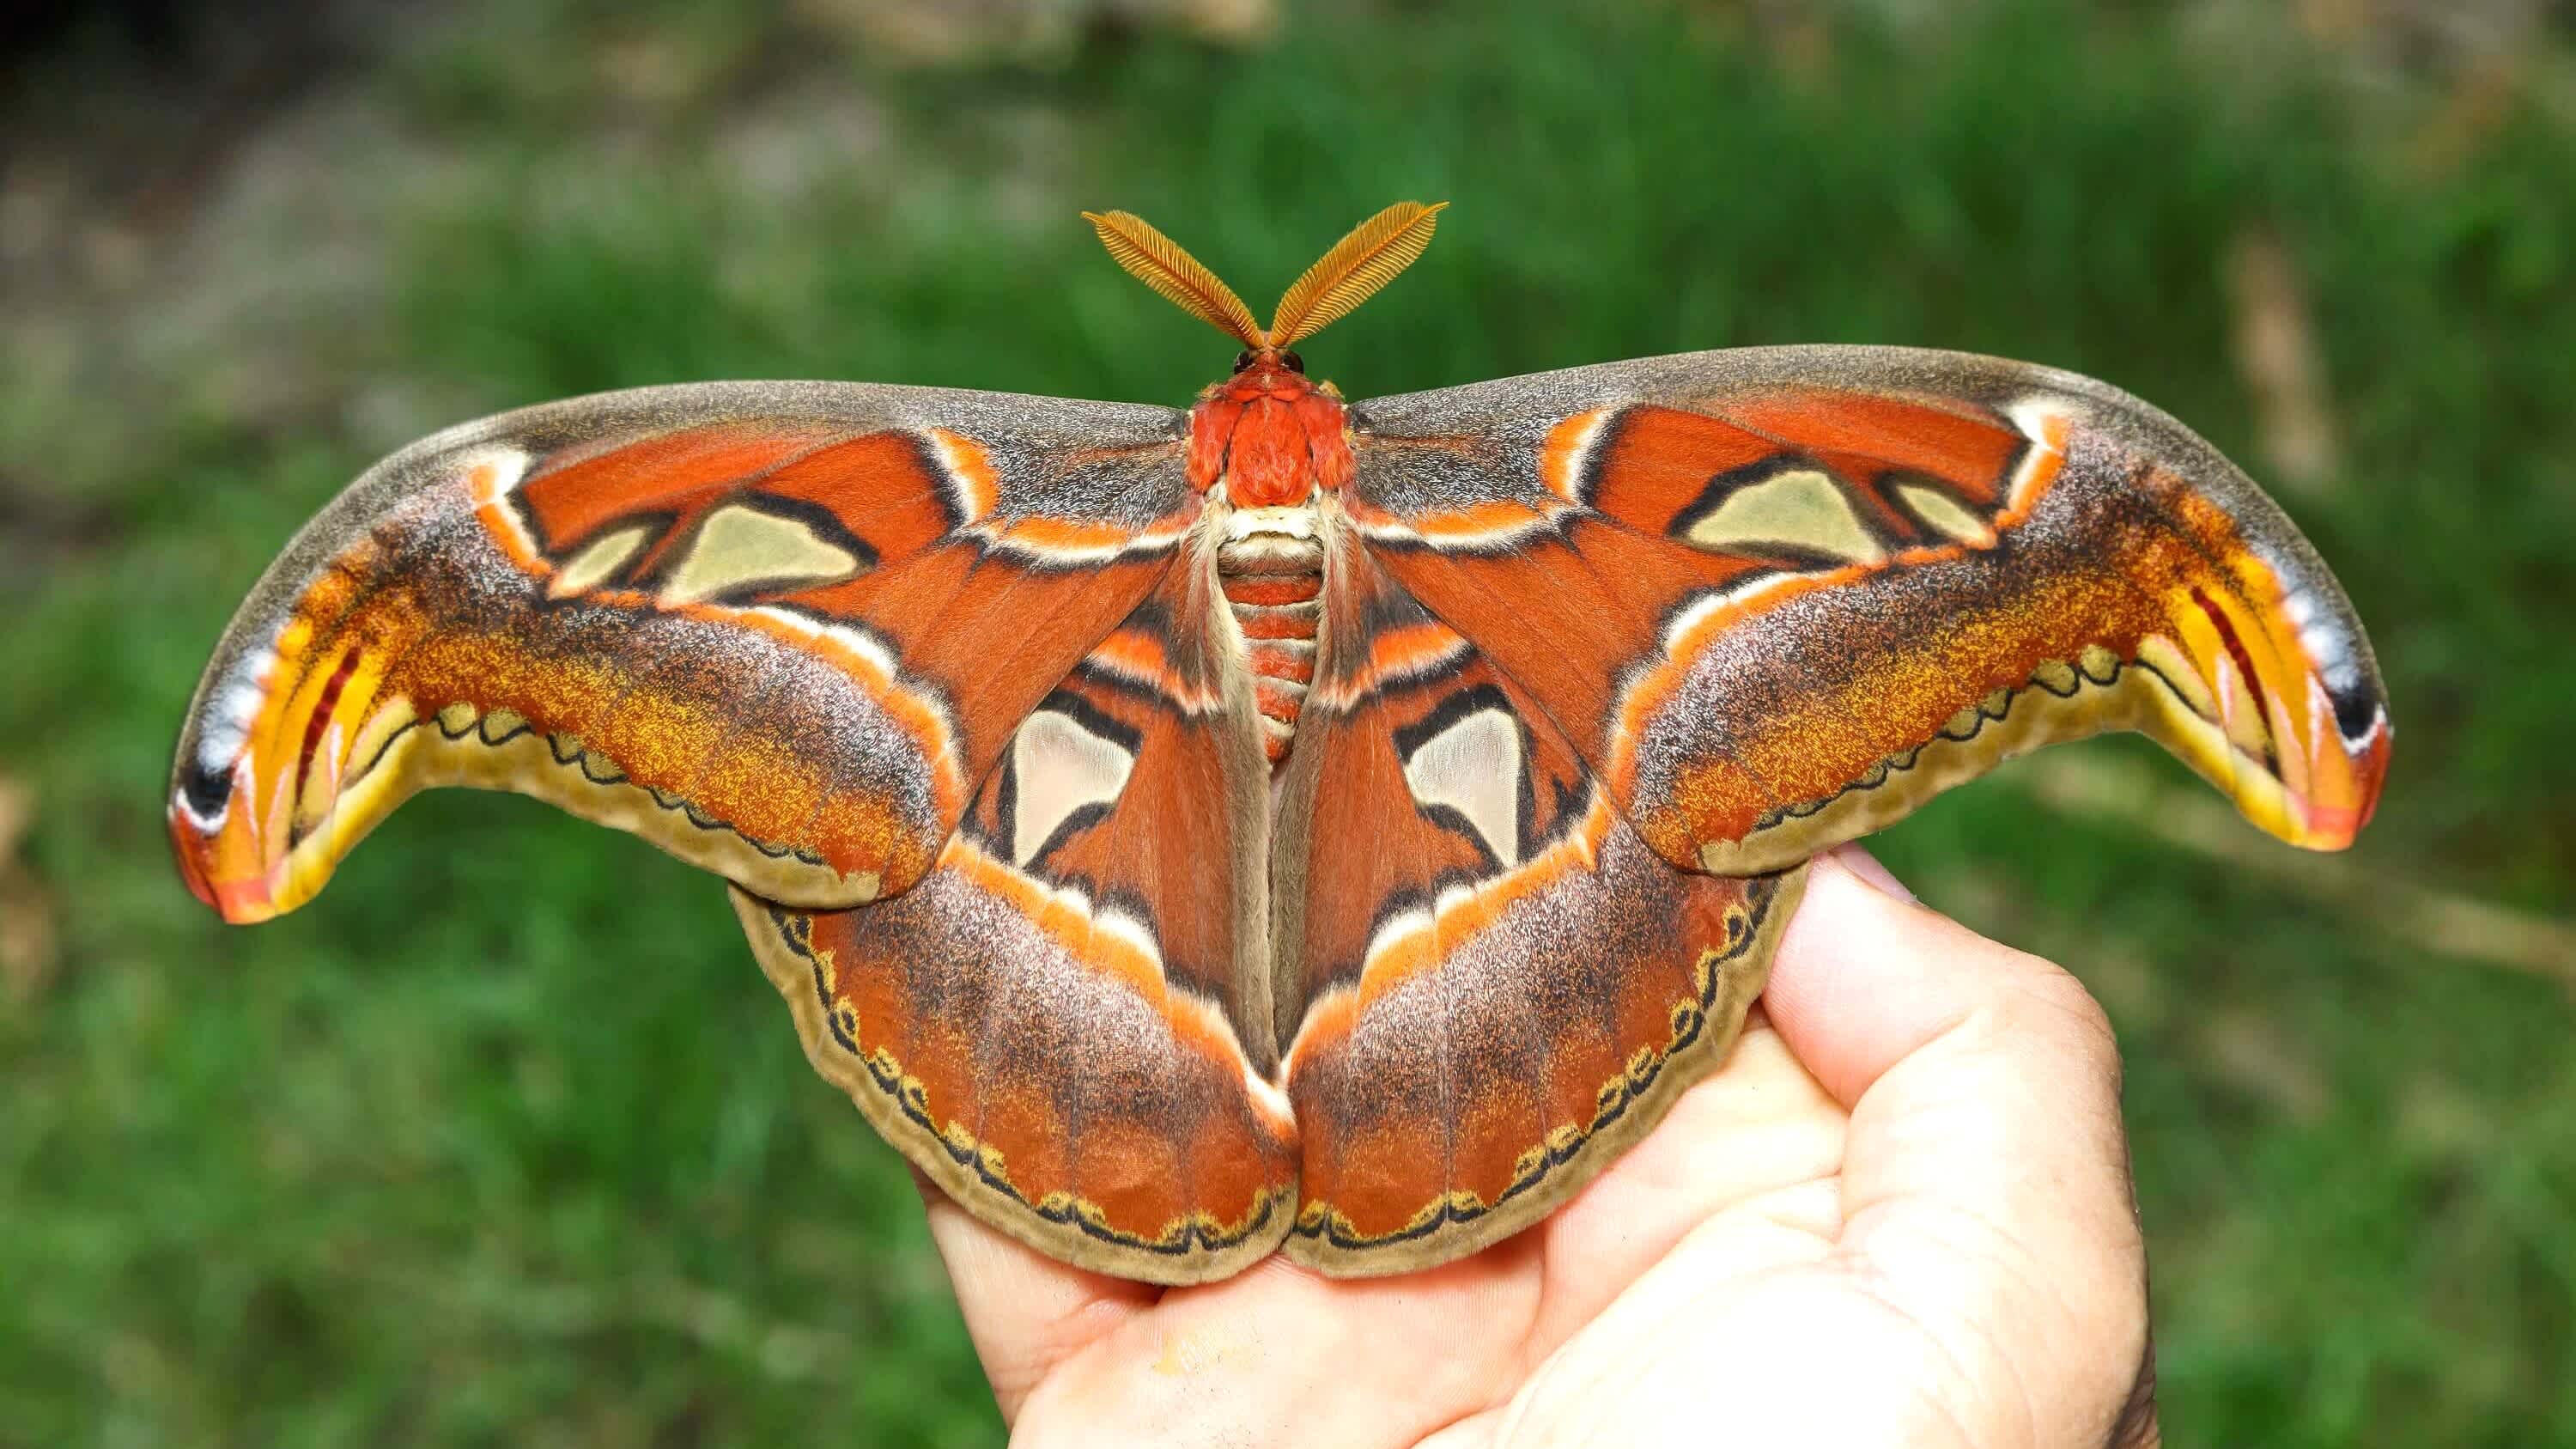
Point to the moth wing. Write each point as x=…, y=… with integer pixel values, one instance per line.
x=1059, y=1023
x=1488, y=984
x=1777, y=598
x=781, y=630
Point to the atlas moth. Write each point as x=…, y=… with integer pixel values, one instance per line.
x=1283, y=824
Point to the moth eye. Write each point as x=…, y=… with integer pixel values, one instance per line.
x=1292, y=362
x=1243, y=360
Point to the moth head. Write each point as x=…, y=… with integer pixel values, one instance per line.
x=1357, y=266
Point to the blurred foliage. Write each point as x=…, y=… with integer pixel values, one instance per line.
x=503, y=1138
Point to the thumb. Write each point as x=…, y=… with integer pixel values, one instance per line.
x=1986, y=1189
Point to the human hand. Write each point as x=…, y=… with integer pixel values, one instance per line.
x=1900, y=1214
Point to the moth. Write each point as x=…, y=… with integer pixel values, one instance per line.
x=1283, y=824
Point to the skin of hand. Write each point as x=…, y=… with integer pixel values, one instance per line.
x=1900, y=1214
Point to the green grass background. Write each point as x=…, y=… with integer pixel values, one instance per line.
x=504, y=1139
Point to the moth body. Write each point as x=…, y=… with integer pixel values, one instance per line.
x=1266, y=445
x=1270, y=567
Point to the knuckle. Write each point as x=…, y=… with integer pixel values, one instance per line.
x=2050, y=1002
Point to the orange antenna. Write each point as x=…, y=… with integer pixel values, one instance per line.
x=1158, y=262
x=1357, y=266
x=1353, y=270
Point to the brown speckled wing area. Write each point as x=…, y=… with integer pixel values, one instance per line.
x=780, y=630
x=1777, y=598
x=1054, y=1024
x=1488, y=985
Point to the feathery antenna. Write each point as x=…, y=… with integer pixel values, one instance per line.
x=1353, y=270
x=1160, y=263
x=1357, y=266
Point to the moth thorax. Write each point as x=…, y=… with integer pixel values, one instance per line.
x=1270, y=565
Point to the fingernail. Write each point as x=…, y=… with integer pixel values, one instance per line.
x=1865, y=865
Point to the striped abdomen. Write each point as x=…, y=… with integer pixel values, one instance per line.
x=1271, y=568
